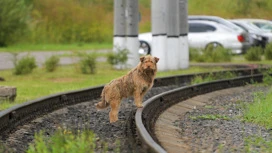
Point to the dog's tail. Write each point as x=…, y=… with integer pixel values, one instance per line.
x=103, y=103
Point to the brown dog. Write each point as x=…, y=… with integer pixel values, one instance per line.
x=135, y=83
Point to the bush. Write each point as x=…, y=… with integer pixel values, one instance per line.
x=268, y=51
x=254, y=54
x=87, y=63
x=120, y=57
x=51, y=63
x=24, y=65
x=218, y=54
x=14, y=15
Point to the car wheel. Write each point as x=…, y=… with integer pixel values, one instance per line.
x=144, y=48
x=213, y=45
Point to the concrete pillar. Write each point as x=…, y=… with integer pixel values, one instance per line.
x=172, y=55
x=119, y=32
x=132, y=20
x=183, y=35
x=158, y=20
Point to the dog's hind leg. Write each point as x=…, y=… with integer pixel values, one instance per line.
x=115, y=104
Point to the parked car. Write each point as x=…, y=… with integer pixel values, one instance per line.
x=222, y=21
x=206, y=33
x=258, y=37
x=257, y=25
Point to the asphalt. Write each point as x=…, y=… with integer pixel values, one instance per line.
x=66, y=57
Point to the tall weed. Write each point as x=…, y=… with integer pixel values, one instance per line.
x=24, y=65
x=268, y=51
x=64, y=141
x=51, y=63
x=254, y=54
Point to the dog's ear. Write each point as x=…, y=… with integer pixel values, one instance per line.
x=142, y=59
x=156, y=59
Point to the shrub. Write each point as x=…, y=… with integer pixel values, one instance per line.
x=254, y=54
x=210, y=54
x=87, y=63
x=120, y=57
x=218, y=54
x=24, y=65
x=268, y=51
x=51, y=63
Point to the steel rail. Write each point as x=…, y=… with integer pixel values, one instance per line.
x=146, y=117
x=23, y=113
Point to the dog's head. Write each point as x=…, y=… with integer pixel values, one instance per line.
x=149, y=63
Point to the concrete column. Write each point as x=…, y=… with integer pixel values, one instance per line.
x=158, y=18
x=183, y=35
x=119, y=32
x=132, y=20
x=172, y=56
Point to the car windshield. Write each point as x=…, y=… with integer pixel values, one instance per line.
x=263, y=25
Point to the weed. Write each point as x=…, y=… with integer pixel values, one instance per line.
x=51, y=63
x=211, y=77
x=254, y=54
x=268, y=51
x=64, y=140
x=87, y=63
x=24, y=65
x=119, y=58
x=260, y=111
x=257, y=142
x=210, y=117
x=210, y=54
x=267, y=78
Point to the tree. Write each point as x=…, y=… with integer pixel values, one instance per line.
x=14, y=15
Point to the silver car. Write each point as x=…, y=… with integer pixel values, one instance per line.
x=258, y=37
x=203, y=34
x=263, y=27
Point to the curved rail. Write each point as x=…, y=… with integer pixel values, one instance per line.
x=146, y=117
x=20, y=114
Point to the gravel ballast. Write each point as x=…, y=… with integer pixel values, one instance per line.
x=217, y=127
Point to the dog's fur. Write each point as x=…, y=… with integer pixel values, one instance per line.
x=135, y=83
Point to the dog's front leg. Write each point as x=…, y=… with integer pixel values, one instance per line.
x=138, y=98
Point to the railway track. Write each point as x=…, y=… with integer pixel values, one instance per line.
x=13, y=120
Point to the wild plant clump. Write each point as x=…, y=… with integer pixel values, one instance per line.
x=218, y=54
x=268, y=51
x=254, y=54
x=51, y=63
x=24, y=65
x=120, y=57
x=87, y=63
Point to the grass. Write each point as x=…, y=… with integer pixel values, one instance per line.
x=260, y=111
x=55, y=47
x=66, y=78
x=210, y=117
x=62, y=141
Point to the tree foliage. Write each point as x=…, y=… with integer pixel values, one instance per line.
x=14, y=15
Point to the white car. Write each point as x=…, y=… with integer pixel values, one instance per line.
x=204, y=33
x=263, y=27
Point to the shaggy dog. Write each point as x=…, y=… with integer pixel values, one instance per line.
x=135, y=83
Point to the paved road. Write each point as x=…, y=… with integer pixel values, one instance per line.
x=6, y=59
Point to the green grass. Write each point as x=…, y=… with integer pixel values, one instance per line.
x=260, y=111
x=55, y=47
x=63, y=141
x=66, y=78
x=210, y=117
